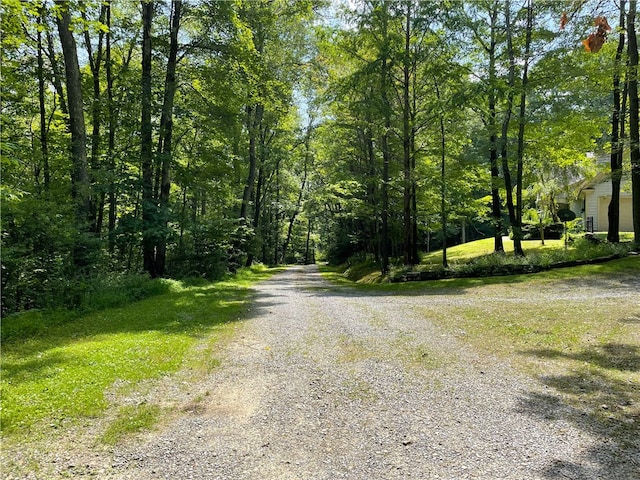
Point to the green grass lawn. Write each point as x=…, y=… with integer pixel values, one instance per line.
x=534, y=248
x=477, y=259
x=59, y=369
x=468, y=251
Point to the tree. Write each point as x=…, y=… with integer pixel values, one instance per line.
x=81, y=188
x=490, y=49
x=385, y=107
x=617, y=134
x=166, y=137
x=408, y=132
x=517, y=223
x=41, y=100
x=111, y=121
x=149, y=211
x=634, y=132
x=95, y=65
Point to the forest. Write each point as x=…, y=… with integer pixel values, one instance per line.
x=191, y=138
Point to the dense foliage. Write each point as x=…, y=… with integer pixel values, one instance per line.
x=191, y=138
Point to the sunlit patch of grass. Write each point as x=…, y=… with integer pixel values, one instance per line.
x=131, y=419
x=485, y=246
x=68, y=381
x=550, y=251
x=365, y=273
x=245, y=277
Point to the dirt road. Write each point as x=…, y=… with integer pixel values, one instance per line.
x=327, y=383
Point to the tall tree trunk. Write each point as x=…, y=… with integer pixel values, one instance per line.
x=276, y=224
x=148, y=204
x=517, y=223
x=415, y=259
x=111, y=166
x=617, y=143
x=406, y=141
x=634, y=134
x=95, y=62
x=257, y=214
x=255, y=114
x=504, y=150
x=308, y=242
x=384, y=240
x=373, y=225
x=44, y=145
x=166, y=132
x=386, y=154
x=496, y=210
x=254, y=118
x=443, y=179
x=80, y=186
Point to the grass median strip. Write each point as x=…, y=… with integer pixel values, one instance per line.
x=66, y=370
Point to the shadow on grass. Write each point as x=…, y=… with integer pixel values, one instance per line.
x=23, y=371
x=631, y=319
x=192, y=312
x=64, y=364
x=597, y=396
x=610, y=356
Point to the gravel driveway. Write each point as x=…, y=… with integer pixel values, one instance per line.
x=327, y=383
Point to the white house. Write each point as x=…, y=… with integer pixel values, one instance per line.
x=593, y=201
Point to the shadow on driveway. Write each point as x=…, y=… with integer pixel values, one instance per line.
x=599, y=396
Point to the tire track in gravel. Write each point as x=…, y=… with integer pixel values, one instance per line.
x=327, y=383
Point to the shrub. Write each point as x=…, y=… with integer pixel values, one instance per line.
x=113, y=290
x=554, y=231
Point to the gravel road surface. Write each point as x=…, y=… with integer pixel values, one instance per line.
x=328, y=383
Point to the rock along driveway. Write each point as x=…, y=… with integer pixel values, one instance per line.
x=327, y=383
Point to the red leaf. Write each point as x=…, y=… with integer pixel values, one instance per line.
x=594, y=42
x=601, y=23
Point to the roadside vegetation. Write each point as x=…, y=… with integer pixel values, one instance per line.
x=477, y=259
x=100, y=369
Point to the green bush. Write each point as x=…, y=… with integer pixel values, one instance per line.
x=115, y=290
x=90, y=295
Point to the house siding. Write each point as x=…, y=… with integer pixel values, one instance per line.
x=597, y=203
